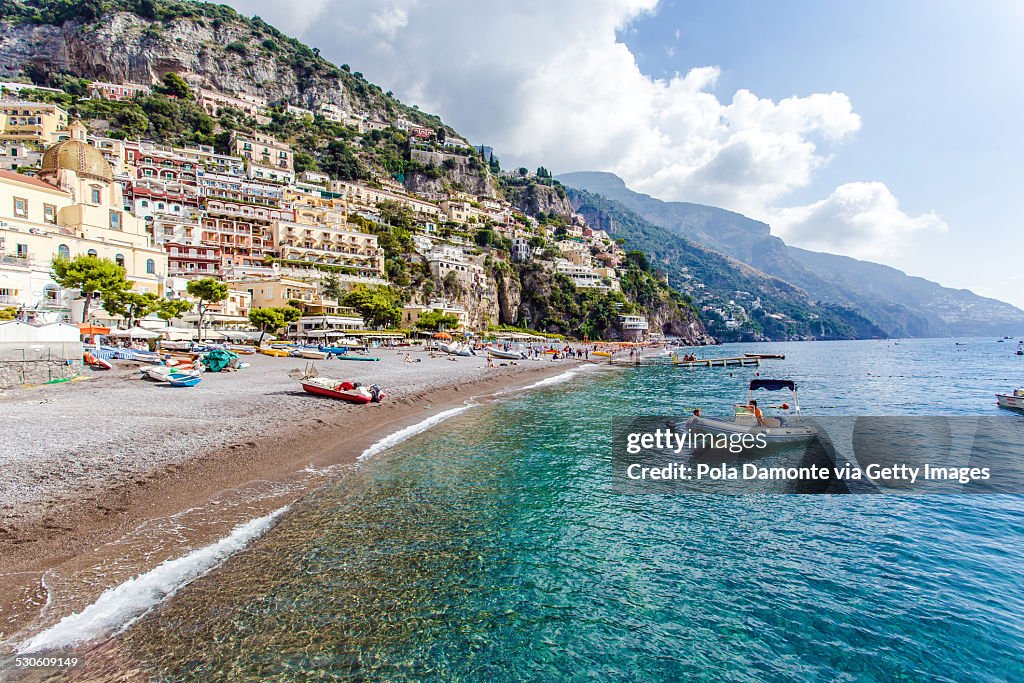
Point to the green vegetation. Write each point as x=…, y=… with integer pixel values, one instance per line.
x=437, y=320
x=134, y=305
x=91, y=275
x=272, y=319
x=209, y=291
x=378, y=306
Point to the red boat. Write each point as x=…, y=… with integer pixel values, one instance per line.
x=345, y=391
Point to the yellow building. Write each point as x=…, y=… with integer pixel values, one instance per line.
x=74, y=207
x=332, y=245
x=34, y=122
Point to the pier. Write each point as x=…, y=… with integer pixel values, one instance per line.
x=736, y=361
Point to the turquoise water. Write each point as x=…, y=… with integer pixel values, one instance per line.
x=492, y=548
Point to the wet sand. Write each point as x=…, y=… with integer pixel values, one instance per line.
x=106, y=478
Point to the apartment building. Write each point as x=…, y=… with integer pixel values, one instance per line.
x=37, y=123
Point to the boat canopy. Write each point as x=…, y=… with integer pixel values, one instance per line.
x=772, y=384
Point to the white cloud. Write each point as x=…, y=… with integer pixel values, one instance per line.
x=863, y=220
x=549, y=83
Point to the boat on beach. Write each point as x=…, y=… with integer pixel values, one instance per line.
x=275, y=353
x=505, y=355
x=183, y=380
x=780, y=429
x=342, y=390
x=1014, y=401
x=312, y=354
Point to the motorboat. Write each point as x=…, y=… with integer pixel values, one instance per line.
x=342, y=390
x=1020, y=348
x=1014, y=401
x=506, y=355
x=779, y=429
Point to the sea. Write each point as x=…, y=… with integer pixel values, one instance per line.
x=491, y=545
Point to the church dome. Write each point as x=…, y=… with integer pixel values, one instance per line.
x=79, y=156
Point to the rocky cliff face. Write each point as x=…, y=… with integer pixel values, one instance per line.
x=532, y=198
x=231, y=56
x=466, y=174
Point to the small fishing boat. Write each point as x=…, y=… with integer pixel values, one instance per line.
x=244, y=350
x=1014, y=401
x=189, y=380
x=312, y=354
x=158, y=373
x=336, y=350
x=506, y=355
x=349, y=357
x=276, y=353
x=775, y=429
x=342, y=390
x=176, y=345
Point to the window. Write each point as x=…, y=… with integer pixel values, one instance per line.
x=145, y=203
x=22, y=251
x=92, y=252
x=97, y=195
x=50, y=214
x=63, y=252
x=150, y=266
x=119, y=260
x=20, y=207
x=115, y=220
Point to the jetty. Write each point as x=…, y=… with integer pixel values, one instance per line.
x=733, y=361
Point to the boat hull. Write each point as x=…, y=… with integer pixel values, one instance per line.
x=367, y=358
x=275, y=353
x=505, y=355
x=313, y=355
x=340, y=395
x=1011, y=402
x=782, y=434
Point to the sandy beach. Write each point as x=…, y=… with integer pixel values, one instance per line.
x=108, y=477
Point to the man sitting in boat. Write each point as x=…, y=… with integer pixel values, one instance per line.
x=761, y=419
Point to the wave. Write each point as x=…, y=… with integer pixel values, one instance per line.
x=412, y=430
x=121, y=606
x=558, y=379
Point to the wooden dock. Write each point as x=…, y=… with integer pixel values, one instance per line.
x=736, y=361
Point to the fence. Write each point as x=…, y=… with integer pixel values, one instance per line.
x=38, y=362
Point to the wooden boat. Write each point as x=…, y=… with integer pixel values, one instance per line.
x=182, y=380
x=312, y=354
x=276, y=353
x=1014, y=401
x=342, y=390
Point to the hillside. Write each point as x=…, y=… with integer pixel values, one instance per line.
x=902, y=305
x=774, y=309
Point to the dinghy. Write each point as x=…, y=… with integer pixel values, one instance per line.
x=779, y=429
x=342, y=390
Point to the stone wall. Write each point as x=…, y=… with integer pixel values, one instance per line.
x=38, y=362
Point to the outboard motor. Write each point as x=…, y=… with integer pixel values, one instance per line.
x=375, y=393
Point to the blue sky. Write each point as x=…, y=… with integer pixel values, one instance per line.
x=886, y=131
x=938, y=86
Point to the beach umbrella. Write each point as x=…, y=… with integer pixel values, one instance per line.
x=90, y=329
x=135, y=333
x=442, y=335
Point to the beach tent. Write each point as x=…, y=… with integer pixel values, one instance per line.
x=91, y=329
x=17, y=331
x=135, y=333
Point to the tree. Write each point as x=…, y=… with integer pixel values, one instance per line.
x=437, y=320
x=331, y=287
x=209, y=291
x=377, y=306
x=265, y=320
x=173, y=308
x=523, y=171
x=441, y=134
x=131, y=305
x=175, y=85
x=543, y=172
x=90, y=275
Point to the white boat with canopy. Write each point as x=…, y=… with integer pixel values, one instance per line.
x=749, y=419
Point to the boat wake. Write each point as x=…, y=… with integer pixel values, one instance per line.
x=121, y=606
x=410, y=431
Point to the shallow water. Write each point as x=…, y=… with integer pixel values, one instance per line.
x=492, y=547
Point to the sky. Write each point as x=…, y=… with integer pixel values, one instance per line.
x=879, y=130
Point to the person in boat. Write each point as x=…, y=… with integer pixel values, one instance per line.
x=758, y=415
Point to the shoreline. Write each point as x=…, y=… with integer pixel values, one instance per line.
x=58, y=555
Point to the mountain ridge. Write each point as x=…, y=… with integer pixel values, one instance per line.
x=903, y=305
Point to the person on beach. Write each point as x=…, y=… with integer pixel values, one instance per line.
x=490, y=362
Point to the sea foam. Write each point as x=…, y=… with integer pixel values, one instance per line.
x=412, y=430
x=121, y=606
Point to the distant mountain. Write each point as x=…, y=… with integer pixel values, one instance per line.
x=902, y=305
x=777, y=309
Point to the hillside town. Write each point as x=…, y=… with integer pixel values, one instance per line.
x=275, y=236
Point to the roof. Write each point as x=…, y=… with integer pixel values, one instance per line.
x=772, y=384
x=29, y=180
